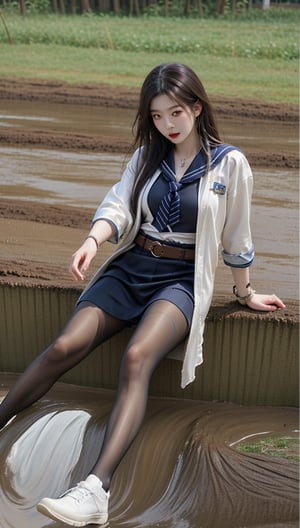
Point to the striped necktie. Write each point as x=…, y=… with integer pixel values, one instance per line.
x=168, y=213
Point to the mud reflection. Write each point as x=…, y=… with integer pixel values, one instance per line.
x=80, y=179
x=67, y=118
x=58, y=177
x=117, y=122
x=185, y=448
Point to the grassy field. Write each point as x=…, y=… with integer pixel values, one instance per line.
x=281, y=447
x=255, y=58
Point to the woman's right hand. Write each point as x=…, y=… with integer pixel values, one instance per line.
x=82, y=258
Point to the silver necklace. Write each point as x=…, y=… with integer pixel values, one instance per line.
x=184, y=160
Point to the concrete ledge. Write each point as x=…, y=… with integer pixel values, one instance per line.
x=249, y=357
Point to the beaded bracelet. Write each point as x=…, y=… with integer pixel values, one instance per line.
x=94, y=238
x=242, y=299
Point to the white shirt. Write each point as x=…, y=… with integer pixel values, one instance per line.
x=223, y=220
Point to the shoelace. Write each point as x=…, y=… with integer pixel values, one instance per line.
x=81, y=490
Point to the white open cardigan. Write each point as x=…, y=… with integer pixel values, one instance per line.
x=223, y=219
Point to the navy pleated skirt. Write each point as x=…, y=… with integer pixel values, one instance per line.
x=136, y=279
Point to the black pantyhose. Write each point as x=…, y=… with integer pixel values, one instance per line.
x=162, y=327
x=87, y=328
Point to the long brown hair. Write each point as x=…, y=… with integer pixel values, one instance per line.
x=179, y=82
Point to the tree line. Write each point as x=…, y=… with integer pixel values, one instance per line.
x=139, y=7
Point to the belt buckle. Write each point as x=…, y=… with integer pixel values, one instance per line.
x=156, y=245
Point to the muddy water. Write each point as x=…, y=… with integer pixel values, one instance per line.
x=183, y=470
x=82, y=179
x=117, y=122
x=68, y=178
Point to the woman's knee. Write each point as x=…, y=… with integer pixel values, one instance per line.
x=134, y=363
x=58, y=351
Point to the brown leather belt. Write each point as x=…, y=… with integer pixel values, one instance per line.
x=160, y=250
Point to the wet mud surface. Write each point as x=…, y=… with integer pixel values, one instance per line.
x=195, y=478
x=24, y=256
x=110, y=97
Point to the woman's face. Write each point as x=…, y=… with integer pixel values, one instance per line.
x=174, y=121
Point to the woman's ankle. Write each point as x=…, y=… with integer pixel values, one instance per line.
x=104, y=481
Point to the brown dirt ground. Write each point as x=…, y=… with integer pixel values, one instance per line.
x=26, y=257
x=108, y=96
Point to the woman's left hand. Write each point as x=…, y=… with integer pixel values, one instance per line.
x=266, y=303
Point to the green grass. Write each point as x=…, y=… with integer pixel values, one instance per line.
x=237, y=58
x=216, y=37
x=284, y=447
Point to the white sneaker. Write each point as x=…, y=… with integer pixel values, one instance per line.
x=87, y=503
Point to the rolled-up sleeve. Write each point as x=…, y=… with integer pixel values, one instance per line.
x=239, y=260
x=237, y=246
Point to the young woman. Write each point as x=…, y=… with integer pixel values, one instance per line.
x=183, y=194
